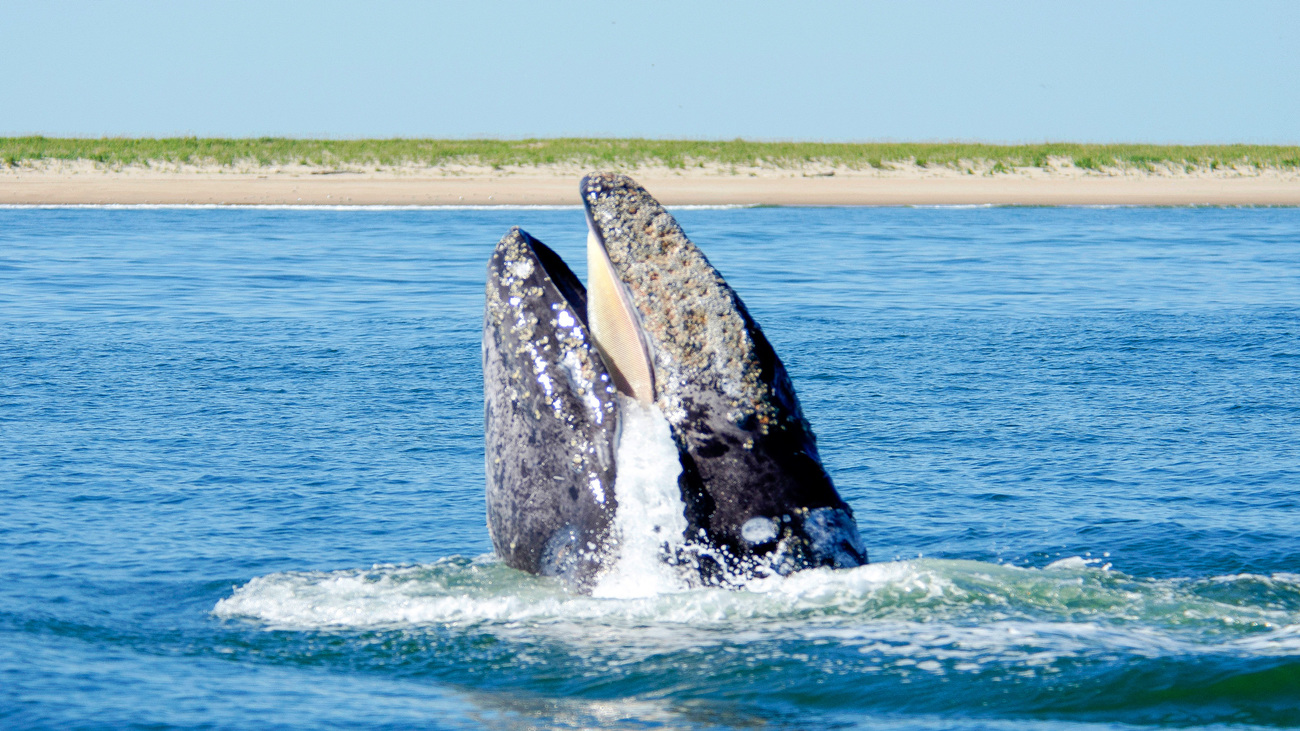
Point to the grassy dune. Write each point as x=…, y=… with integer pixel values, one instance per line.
x=120, y=151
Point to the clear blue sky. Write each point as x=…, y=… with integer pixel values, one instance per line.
x=855, y=71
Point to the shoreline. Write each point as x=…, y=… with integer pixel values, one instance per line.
x=85, y=184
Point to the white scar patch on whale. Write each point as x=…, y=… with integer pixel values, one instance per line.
x=651, y=517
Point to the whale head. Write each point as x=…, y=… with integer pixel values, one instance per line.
x=658, y=324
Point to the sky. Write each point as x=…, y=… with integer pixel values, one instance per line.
x=990, y=71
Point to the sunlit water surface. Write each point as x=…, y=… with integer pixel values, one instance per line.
x=241, y=473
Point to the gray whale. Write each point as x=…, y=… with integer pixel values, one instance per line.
x=660, y=325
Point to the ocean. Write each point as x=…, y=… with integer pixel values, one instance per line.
x=241, y=477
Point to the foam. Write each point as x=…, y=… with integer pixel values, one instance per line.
x=954, y=206
x=651, y=519
x=457, y=591
x=964, y=613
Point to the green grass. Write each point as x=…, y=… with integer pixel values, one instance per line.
x=595, y=153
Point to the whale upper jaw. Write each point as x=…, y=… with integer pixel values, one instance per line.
x=753, y=479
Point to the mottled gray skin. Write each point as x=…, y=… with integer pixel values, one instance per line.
x=550, y=414
x=753, y=482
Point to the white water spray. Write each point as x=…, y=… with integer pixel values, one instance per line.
x=650, y=515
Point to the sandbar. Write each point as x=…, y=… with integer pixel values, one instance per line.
x=86, y=184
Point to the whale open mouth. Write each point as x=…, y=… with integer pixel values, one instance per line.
x=615, y=323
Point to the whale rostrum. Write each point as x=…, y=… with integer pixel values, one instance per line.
x=659, y=325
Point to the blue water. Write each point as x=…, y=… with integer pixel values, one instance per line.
x=241, y=477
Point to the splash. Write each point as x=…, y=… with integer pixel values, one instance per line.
x=930, y=635
x=651, y=519
x=952, y=612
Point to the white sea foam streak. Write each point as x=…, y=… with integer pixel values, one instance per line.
x=651, y=519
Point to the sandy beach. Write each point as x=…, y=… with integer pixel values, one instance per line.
x=86, y=183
